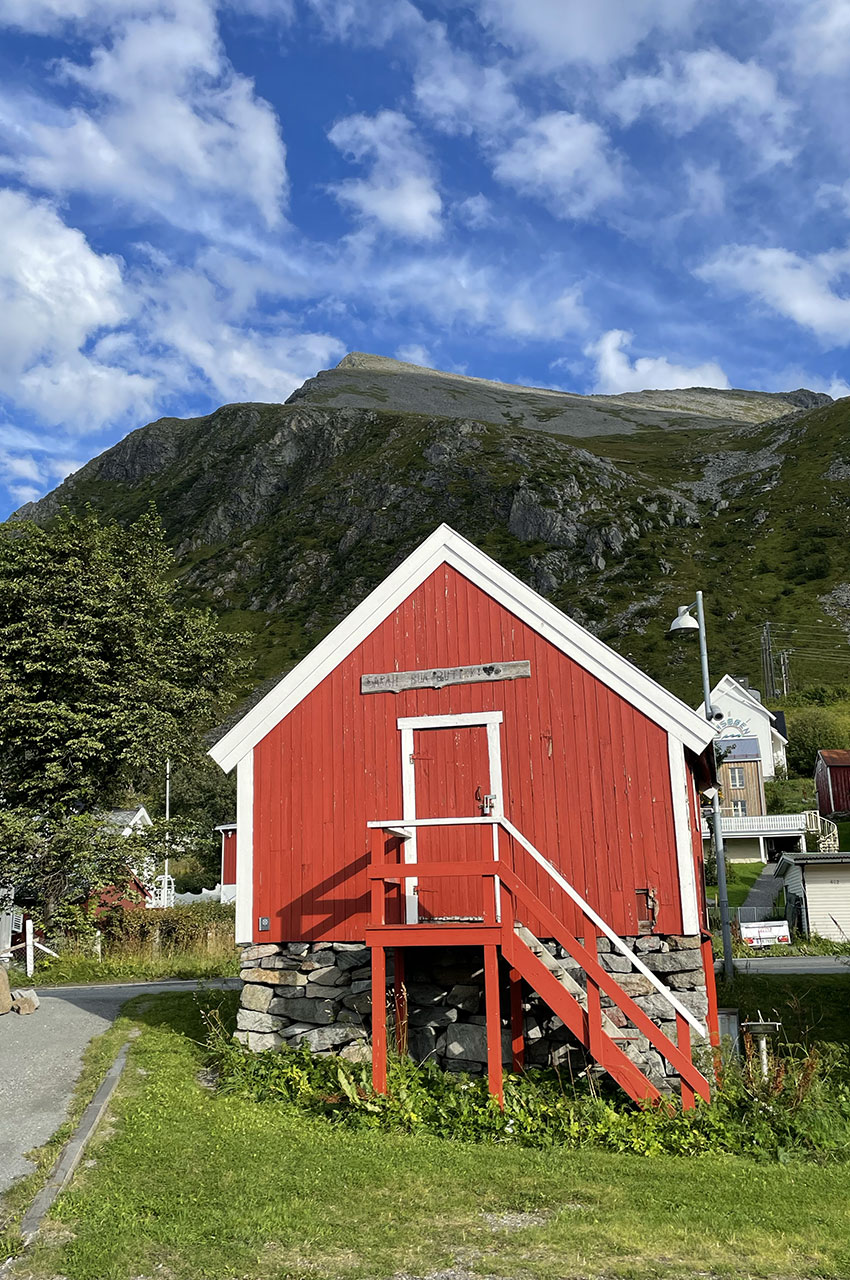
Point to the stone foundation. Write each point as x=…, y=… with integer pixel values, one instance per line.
x=319, y=994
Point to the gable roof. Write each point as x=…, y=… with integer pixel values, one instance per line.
x=731, y=685
x=444, y=546
x=834, y=758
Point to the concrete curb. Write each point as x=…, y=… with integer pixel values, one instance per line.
x=63, y=1170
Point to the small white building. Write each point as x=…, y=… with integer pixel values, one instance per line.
x=745, y=716
x=817, y=893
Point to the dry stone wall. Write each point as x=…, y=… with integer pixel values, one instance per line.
x=319, y=994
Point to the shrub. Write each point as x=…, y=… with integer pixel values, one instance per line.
x=809, y=731
x=802, y=1110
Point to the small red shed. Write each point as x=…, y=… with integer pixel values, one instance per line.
x=832, y=782
x=458, y=764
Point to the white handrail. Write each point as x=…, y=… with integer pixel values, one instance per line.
x=618, y=942
x=555, y=875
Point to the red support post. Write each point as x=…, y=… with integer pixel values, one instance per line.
x=493, y=1012
x=399, y=1002
x=595, y=1034
x=517, y=1038
x=683, y=1039
x=712, y=1018
x=379, y=1019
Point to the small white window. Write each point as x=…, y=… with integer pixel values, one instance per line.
x=736, y=777
x=739, y=808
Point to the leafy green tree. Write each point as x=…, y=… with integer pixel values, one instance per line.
x=808, y=731
x=104, y=673
x=58, y=861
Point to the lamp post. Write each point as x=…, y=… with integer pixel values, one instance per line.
x=684, y=621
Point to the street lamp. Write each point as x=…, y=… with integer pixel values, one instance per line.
x=685, y=621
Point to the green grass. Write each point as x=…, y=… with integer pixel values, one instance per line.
x=746, y=874
x=259, y=1192
x=72, y=969
x=810, y=1006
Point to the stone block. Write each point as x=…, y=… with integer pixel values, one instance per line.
x=690, y=980
x=634, y=984
x=351, y=946
x=290, y=978
x=321, y=1039
x=24, y=1001
x=251, y=1020
x=259, y=952
x=319, y=1012
x=349, y=1018
x=318, y=960
x=358, y=1051
x=361, y=1002
x=467, y=1043
x=467, y=998
x=669, y=961
x=241, y=1037
x=297, y=948
x=271, y=976
x=5, y=993
x=684, y=942
x=421, y=1043
x=364, y=973
x=441, y=1016
x=425, y=993
x=262, y=1042
x=279, y=962
x=256, y=996
x=363, y=985
x=332, y=976
x=614, y=962
x=695, y=1001
x=356, y=959
x=647, y=943
x=318, y=991
x=295, y=1030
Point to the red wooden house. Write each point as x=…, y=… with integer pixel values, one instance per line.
x=458, y=764
x=832, y=782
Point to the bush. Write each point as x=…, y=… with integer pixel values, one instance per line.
x=801, y=1111
x=175, y=929
x=809, y=731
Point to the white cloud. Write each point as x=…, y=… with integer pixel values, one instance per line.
x=565, y=160
x=616, y=373
x=476, y=212
x=556, y=33
x=820, y=37
x=373, y=22
x=805, y=290
x=400, y=193
x=705, y=83
x=706, y=190
x=415, y=353
x=170, y=127
x=459, y=94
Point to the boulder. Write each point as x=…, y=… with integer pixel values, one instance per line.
x=468, y=1043
x=272, y=976
x=320, y=1039
x=259, y=952
x=261, y=1042
x=467, y=998
x=250, y=1020
x=357, y=1051
x=319, y=1012
x=333, y=976
x=24, y=1000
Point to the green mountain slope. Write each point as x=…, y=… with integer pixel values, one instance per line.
x=284, y=516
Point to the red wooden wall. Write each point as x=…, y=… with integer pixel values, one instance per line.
x=586, y=776
x=839, y=776
x=228, y=857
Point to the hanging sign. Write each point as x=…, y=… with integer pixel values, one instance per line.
x=765, y=933
x=438, y=677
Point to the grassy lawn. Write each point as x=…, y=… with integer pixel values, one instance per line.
x=746, y=874
x=810, y=1006
x=185, y=1184
x=71, y=969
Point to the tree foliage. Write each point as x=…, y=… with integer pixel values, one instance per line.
x=809, y=731
x=104, y=673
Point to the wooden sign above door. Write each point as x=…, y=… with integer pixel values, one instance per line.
x=396, y=681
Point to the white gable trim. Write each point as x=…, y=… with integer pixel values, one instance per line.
x=444, y=546
x=684, y=836
x=245, y=850
x=730, y=683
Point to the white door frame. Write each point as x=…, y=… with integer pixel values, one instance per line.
x=407, y=725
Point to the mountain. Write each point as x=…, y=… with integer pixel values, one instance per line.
x=616, y=507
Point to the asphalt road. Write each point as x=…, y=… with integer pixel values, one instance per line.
x=41, y=1056
x=794, y=964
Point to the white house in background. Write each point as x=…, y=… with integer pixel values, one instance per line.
x=817, y=893
x=746, y=716
x=128, y=821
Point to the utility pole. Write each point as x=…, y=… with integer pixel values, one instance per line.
x=767, y=663
x=785, y=670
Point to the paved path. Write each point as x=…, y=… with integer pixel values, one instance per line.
x=763, y=895
x=41, y=1055
x=794, y=964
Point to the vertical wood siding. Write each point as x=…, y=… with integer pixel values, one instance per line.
x=586, y=776
x=228, y=857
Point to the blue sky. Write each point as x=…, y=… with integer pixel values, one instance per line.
x=205, y=201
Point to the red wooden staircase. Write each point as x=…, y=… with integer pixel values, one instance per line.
x=508, y=903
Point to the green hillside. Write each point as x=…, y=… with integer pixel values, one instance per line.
x=284, y=516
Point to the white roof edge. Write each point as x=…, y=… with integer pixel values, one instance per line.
x=745, y=693
x=444, y=545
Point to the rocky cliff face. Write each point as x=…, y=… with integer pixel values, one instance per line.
x=284, y=516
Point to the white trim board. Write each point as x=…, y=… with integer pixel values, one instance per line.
x=444, y=546
x=245, y=850
x=684, y=836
